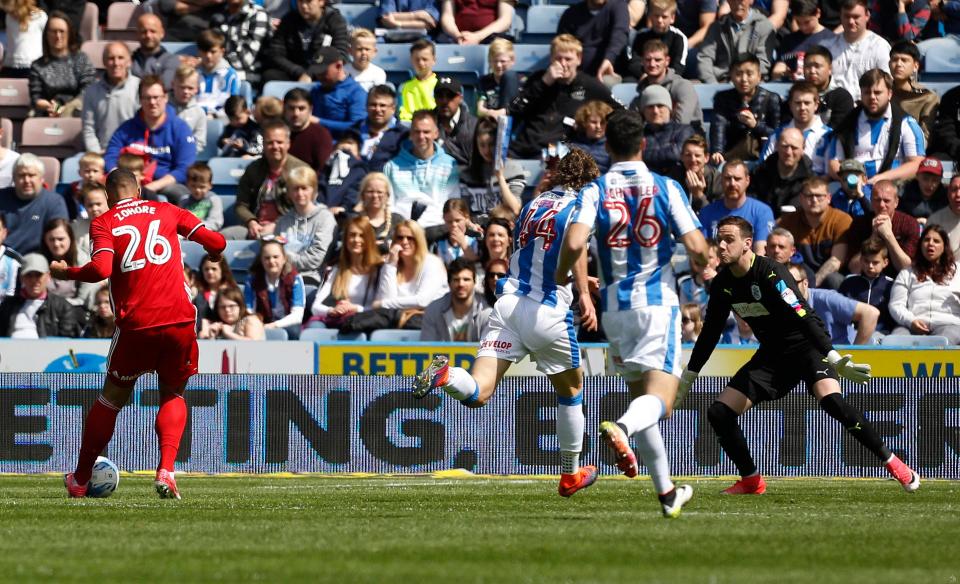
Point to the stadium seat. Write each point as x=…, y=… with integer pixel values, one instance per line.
x=542, y=21
x=355, y=337
x=14, y=98
x=706, y=93
x=184, y=49
x=210, y=150
x=531, y=57
x=914, y=341
x=51, y=171
x=7, y=127
x=948, y=169
x=940, y=87
x=192, y=253
x=246, y=90
x=532, y=171
x=319, y=335
x=90, y=22
x=781, y=89
x=227, y=173
x=942, y=65
x=394, y=58
x=229, y=209
x=395, y=336
x=57, y=137
x=624, y=93
x=277, y=334
x=94, y=50
x=465, y=63
x=279, y=89
x=70, y=169
x=122, y=21
x=359, y=15
x=240, y=255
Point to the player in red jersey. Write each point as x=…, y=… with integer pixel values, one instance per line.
x=135, y=244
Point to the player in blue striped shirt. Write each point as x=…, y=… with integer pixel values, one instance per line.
x=638, y=216
x=533, y=317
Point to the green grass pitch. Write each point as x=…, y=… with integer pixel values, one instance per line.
x=484, y=529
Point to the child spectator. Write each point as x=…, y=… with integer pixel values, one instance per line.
x=10, y=262
x=500, y=85
x=363, y=48
x=662, y=15
x=691, y=322
x=459, y=242
x=186, y=83
x=871, y=285
x=743, y=116
x=241, y=138
x=202, y=202
x=138, y=166
x=417, y=93
x=94, y=199
x=101, y=323
x=308, y=228
x=213, y=276
x=91, y=171
x=218, y=80
x=853, y=197
x=25, y=25
x=267, y=107
x=233, y=320
x=275, y=290
x=590, y=132
x=343, y=172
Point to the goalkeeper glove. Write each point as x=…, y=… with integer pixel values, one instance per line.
x=686, y=383
x=855, y=372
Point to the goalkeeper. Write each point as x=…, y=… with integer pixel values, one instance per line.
x=794, y=347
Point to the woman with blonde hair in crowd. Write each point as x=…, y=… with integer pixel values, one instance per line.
x=375, y=195
x=354, y=283
x=25, y=25
x=232, y=320
x=412, y=277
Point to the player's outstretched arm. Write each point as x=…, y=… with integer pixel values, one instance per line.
x=574, y=242
x=588, y=312
x=696, y=246
x=97, y=269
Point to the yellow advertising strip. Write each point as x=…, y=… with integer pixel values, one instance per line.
x=410, y=359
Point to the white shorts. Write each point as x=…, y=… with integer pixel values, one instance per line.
x=644, y=339
x=520, y=326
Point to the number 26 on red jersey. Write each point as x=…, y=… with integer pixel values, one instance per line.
x=156, y=248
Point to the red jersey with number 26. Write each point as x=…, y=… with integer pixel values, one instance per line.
x=147, y=286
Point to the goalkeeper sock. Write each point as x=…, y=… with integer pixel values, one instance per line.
x=96, y=435
x=643, y=412
x=570, y=425
x=461, y=386
x=171, y=420
x=654, y=454
x=853, y=421
x=724, y=422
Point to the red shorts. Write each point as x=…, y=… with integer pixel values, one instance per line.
x=169, y=350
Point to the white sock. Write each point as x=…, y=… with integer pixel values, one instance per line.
x=654, y=455
x=460, y=385
x=643, y=412
x=570, y=425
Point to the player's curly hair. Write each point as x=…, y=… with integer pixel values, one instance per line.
x=941, y=270
x=575, y=170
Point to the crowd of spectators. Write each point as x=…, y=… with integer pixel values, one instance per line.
x=388, y=205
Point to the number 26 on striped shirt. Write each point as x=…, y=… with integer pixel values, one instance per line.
x=646, y=232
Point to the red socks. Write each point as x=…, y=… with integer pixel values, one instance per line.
x=96, y=435
x=171, y=420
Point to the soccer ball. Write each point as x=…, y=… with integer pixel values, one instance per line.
x=105, y=478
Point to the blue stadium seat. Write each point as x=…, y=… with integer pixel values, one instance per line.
x=229, y=209
x=359, y=15
x=542, y=21
x=940, y=87
x=319, y=335
x=531, y=57
x=706, y=93
x=279, y=89
x=393, y=57
x=914, y=341
x=532, y=171
x=357, y=337
x=944, y=65
x=240, y=255
x=465, y=63
x=70, y=169
x=395, y=336
x=246, y=90
x=192, y=253
x=186, y=49
x=214, y=129
x=227, y=173
x=624, y=93
x=277, y=334
x=782, y=89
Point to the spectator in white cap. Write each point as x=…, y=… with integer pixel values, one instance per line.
x=664, y=138
x=33, y=313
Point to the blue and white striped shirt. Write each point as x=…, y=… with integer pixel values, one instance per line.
x=873, y=140
x=816, y=140
x=636, y=215
x=537, y=241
